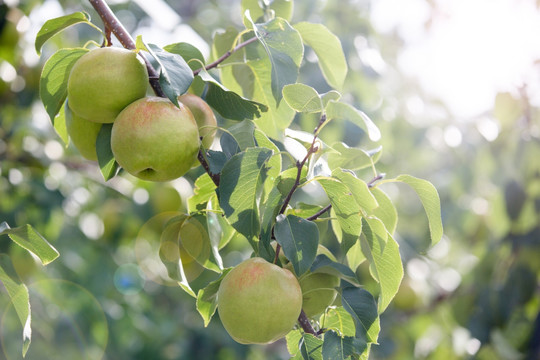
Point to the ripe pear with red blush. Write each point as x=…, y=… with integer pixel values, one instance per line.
x=154, y=140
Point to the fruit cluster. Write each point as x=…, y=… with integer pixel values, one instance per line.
x=151, y=138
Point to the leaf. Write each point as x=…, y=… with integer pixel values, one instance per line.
x=323, y=264
x=329, y=96
x=293, y=339
x=336, y=347
x=28, y=238
x=342, y=111
x=203, y=190
x=385, y=262
x=339, y=320
x=18, y=293
x=355, y=256
x=240, y=182
x=311, y=347
x=169, y=252
x=243, y=134
x=299, y=239
x=107, y=164
x=54, y=79
x=348, y=212
x=281, y=8
x=207, y=298
x=195, y=239
x=363, y=309
x=229, y=104
x=328, y=49
x=188, y=52
x=60, y=125
x=274, y=164
x=56, y=25
x=175, y=74
x=386, y=211
x=302, y=98
x=283, y=45
x=430, y=200
x=279, y=115
x=351, y=158
x=358, y=188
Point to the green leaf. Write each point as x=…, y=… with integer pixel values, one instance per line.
x=175, y=75
x=283, y=45
x=281, y=8
x=328, y=49
x=339, y=320
x=302, y=98
x=348, y=212
x=355, y=256
x=207, y=299
x=342, y=111
x=351, y=158
x=229, y=104
x=386, y=211
x=18, y=293
x=107, y=164
x=203, y=190
x=358, y=188
x=195, y=239
x=430, y=200
x=243, y=133
x=299, y=239
x=336, y=347
x=274, y=164
x=240, y=182
x=188, y=52
x=293, y=339
x=169, y=252
x=60, y=125
x=332, y=95
x=311, y=347
x=363, y=309
x=28, y=238
x=270, y=210
x=56, y=25
x=54, y=79
x=279, y=115
x=385, y=260
x=323, y=264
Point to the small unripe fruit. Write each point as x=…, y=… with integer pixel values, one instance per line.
x=204, y=116
x=83, y=134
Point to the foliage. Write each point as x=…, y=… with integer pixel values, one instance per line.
x=261, y=140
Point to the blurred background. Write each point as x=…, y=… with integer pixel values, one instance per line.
x=454, y=87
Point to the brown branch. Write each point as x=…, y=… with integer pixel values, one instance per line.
x=202, y=160
x=226, y=55
x=112, y=23
x=303, y=320
x=319, y=213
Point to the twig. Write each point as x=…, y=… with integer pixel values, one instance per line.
x=319, y=213
x=112, y=23
x=225, y=56
x=306, y=324
x=202, y=160
x=372, y=182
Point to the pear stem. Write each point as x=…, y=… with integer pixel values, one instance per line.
x=114, y=25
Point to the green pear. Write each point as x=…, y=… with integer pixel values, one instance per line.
x=259, y=302
x=154, y=140
x=104, y=81
x=204, y=116
x=83, y=134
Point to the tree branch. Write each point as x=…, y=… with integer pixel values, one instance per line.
x=226, y=55
x=112, y=24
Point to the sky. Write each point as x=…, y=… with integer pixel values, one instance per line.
x=465, y=51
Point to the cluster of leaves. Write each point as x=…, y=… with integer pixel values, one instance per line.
x=260, y=165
